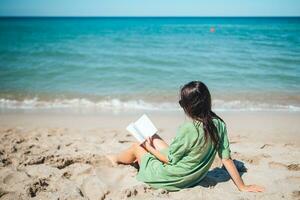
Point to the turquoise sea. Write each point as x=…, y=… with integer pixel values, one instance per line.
x=125, y=63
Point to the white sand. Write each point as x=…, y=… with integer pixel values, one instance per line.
x=56, y=155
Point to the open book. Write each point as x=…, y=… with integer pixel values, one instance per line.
x=142, y=128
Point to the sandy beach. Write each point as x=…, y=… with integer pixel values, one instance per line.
x=61, y=155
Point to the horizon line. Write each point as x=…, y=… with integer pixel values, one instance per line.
x=140, y=16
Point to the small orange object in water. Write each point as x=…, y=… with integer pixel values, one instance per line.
x=212, y=29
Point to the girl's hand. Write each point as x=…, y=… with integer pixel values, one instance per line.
x=234, y=174
x=252, y=188
x=148, y=144
x=149, y=140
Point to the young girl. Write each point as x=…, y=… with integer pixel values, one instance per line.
x=188, y=158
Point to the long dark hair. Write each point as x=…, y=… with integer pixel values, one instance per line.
x=195, y=100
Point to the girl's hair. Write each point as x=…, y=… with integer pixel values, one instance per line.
x=195, y=100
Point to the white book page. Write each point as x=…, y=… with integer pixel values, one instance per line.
x=145, y=126
x=131, y=129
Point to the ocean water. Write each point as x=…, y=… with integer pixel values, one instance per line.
x=141, y=63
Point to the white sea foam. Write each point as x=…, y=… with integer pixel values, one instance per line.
x=118, y=105
x=114, y=104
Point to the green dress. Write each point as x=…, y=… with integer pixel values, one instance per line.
x=190, y=158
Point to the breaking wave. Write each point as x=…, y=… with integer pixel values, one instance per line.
x=117, y=104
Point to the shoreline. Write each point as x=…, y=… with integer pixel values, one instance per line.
x=154, y=102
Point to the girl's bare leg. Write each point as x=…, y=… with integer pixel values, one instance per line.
x=132, y=154
x=136, y=151
x=158, y=142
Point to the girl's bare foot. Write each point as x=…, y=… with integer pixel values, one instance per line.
x=112, y=159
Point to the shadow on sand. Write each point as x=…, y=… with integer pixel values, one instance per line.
x=220, y=174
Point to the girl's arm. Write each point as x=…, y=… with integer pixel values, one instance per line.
x=149, y=147
x=233, y=172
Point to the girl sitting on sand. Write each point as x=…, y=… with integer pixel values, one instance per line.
x=188, y=158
